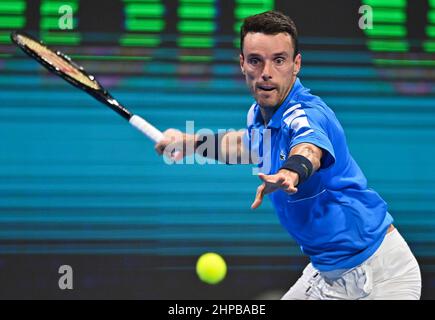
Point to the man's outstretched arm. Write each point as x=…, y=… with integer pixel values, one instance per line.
x=225, y=147
x=303, y=161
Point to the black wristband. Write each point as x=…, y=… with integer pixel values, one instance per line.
x=299, y=164
x=217, y=141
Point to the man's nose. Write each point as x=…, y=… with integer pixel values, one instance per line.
x=267, y=71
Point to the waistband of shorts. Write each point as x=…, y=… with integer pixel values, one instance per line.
x=392, y=239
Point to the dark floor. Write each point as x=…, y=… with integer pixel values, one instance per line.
x=154, y=277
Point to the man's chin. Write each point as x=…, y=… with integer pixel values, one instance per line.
x=267, y=100
x=266, y=103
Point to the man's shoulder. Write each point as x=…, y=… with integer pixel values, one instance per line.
x=308, y=100
x=312, y=112
x=251, y=114
x=312, y=108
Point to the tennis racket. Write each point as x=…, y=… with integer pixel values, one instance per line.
x=62, y=65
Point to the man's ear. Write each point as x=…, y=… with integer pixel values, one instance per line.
x=242, y=61
x=297, y=63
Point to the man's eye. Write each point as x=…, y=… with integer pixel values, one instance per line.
x=254, y=61
x=279, y=60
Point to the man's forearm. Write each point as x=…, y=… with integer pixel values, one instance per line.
x=224, y=147
x=304, y=160
x=309, y=151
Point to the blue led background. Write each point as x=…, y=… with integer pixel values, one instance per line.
x=79, y=186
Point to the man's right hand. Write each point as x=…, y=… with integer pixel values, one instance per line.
x=176, y=144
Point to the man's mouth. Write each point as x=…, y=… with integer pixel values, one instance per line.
x=266, y=88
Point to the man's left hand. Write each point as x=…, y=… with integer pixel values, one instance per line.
x=285, y=180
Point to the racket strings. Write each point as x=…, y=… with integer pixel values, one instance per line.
x=57, y=62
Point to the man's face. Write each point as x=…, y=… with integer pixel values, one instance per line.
x=268, y=65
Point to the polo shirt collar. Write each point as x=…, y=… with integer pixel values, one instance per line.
x=275, y=121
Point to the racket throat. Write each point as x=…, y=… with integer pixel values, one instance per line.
x=117, y=107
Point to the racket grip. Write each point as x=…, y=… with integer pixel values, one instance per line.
x=146, y=128
x=150, y=131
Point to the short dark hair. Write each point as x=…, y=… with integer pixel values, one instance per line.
x=270, y=22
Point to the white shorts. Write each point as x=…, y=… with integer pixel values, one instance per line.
x=391, y=273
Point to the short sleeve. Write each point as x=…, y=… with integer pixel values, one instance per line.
x=246, y=140
x=249, y=125
x=308, y=125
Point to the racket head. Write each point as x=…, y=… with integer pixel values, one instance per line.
x=56, y=62
x=62, y=65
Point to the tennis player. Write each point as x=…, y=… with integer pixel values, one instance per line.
x=319, y=192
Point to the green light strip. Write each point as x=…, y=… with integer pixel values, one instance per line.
x=14, y=7
x=387, y=31
x=390, y=15
x=197, y=1
x=5, y=37
x=143, y=16
x=236, y=43
x=431, y=16
x=53, y=23
x=61, y=38
x=268, y=3
x=52, y=7
x=386, y=3
x=141, y=1
x=196, y=26
x=245, y=8
x=196, y=9
x=145, y=25
x=196, y=17
x=430, y=31
x=429, y=46
x=388, y=45
x=195, y=58
x=409, y=63
x=195, y=42
x=196, y=12
x=5, y=55
x=12, y=22
x=237, y=26
x=109, y=58
x=432, y=4
x=140, y=40
x=144, y=10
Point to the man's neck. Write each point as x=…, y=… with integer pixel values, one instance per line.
x=268, y=112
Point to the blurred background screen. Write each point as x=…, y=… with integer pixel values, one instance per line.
x=80, y=187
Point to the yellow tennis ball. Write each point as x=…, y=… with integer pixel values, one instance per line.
x=211, y=268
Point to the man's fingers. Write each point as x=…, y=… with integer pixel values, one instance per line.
x=160, y=147
x=173, y=153
x=291, y=190
x=271, y=178
x=288, y=187
x=172, y=139
x=256, y=204
x=164, y=144
x=278, y=181
x=258, y=197
x=177, y=155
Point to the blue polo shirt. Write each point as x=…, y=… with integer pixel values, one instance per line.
x=335, y=218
